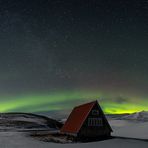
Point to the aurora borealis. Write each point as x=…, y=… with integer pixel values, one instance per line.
x=55, y=54
x=58, y=101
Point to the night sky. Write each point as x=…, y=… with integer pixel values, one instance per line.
x=55, y=54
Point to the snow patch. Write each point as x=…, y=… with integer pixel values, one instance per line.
x=139, y=116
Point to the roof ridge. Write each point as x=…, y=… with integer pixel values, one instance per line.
x=86, y=104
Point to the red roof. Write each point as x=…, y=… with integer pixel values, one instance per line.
x=77, y=118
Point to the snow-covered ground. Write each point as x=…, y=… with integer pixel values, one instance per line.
x=130, y=129
x=24, y=121
x=21, y=140
x=128, y=133
x=139, y=116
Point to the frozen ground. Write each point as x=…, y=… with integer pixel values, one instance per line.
x=123, y=128
x=129, y=134
x=17, y=140
x=26, y=121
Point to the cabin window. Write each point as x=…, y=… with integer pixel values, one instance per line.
x=95, y=122
x=95, y=112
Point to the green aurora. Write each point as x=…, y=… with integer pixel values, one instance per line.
x=61, y=100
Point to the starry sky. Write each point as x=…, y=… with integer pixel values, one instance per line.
x=55, y=54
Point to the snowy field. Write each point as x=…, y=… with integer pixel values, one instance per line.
x=128, y=133
x=17, y=140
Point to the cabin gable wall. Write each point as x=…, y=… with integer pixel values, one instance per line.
x=95, y=124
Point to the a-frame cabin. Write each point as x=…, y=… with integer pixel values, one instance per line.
x=87, y=121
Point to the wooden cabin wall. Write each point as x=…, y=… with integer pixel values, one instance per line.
x=94, y=131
